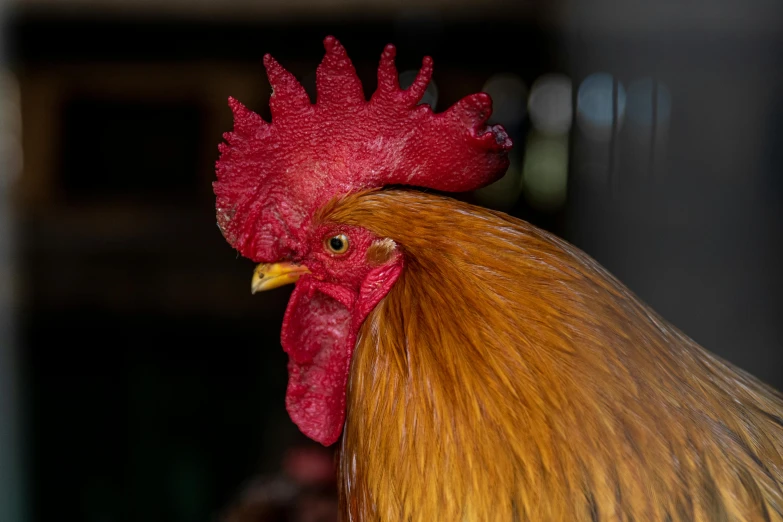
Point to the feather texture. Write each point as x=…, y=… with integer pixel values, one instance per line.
x=509, y=377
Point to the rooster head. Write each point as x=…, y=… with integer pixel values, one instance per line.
x=275, y=179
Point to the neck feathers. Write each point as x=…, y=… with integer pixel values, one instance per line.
x=506, y=376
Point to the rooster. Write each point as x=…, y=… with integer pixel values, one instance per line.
x=472, y=366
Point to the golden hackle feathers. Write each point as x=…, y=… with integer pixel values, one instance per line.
x=508, y=377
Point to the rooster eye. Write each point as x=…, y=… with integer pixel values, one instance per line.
x=337, y=244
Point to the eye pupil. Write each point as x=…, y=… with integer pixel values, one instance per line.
x=337, y=244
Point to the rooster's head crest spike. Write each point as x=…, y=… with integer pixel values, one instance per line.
x=272, y=177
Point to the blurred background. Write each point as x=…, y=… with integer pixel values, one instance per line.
x=139, y=380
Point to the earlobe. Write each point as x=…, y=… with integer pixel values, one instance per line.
x=376, y=285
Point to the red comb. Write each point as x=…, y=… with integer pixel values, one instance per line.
x=272, y=177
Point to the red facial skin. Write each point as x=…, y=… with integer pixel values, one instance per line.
x=321, y=322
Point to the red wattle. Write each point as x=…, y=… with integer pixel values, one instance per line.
x=319, y=339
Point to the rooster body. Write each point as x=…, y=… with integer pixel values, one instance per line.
x=470, y=366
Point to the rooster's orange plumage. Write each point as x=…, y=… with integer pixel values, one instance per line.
x=472, y=366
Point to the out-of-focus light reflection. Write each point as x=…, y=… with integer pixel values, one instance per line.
x=640, y=102
x=504, y=193
x=430, y=95
x=12, y=503
x=545, y=171
x=595, y=106
x=10, y=103
x=10, y=129
x=550, y=105
x=509, y=94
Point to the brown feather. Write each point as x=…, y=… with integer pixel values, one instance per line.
x=508, y=377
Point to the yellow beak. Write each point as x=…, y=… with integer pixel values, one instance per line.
x=271, y=275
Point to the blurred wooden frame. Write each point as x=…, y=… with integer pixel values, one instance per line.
x=45, y=89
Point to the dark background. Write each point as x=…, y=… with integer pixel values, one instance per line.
x=149, y=384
